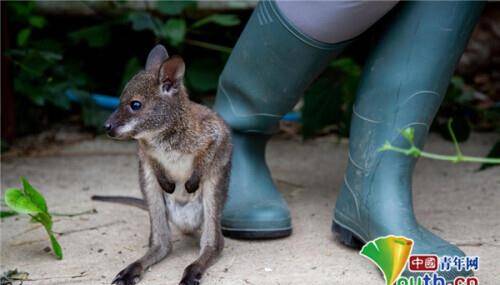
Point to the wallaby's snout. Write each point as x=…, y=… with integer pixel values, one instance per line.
x=109, y=126
x=115, y=128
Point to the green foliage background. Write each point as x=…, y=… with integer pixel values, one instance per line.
x=51, y=54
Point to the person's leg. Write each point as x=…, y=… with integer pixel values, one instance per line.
x=271, y=65
x=403, y=84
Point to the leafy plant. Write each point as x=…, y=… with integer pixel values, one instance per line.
x=179, y=30
x=41, y=75
x=329, y=99
x=224, y=20
x=203, y=74
x=178, y=26
x=49, y=58
x=457, y=105
x=95, y=36
x=92, y=115
x=5, y=213
x=409, y=134
x=29, y=201
x=469, y=108
x=174, y=8
x=26, y=13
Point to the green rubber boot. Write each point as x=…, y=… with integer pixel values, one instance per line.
x=269, y=69
x=403, y=85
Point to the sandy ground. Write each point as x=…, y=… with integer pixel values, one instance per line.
x=455, y=201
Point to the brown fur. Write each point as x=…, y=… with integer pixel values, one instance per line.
x=184, y=153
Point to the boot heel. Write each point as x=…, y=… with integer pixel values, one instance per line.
x=347, y=237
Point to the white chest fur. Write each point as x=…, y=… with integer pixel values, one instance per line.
x=178, y=165
x=187, y=217
x=185, y=210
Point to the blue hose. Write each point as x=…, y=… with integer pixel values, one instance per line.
x=103, y=101
x=111, y=103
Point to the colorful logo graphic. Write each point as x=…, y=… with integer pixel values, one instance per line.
x=390, y=254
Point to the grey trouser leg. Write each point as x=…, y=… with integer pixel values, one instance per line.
x=334, y=21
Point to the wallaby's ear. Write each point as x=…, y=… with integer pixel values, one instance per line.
x=156, y=57
x=171, y=74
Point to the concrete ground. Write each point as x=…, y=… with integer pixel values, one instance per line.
x=455, y=201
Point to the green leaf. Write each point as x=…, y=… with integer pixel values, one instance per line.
x=131, y=68
x=328, y=102
x=322, y=105
x=225, y=20
x=203, y=74
x=346, y=65
x=141, y=21
x=174, y=31
x=23, y=36
x=494, y=152
x=55, y=95
x=458, y=92
x=56, y=247
x=95, y=36
x=19, y=202
x=33, y=203
x=387, y=146
x=173, y=8
x=50, y=46
x=37, y=21
x=6, y=214
x=22, y=8
x=409, y=134
x=45, y=219
x=29, y=91
x=34, y=195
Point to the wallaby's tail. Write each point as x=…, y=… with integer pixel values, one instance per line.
x=131, y=201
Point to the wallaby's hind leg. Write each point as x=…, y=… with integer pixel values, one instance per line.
x=212, y=241
x=208, y=254
x=160, y=232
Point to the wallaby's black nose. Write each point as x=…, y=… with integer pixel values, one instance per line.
x=107, y=127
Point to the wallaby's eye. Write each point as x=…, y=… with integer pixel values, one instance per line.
x=135, y=105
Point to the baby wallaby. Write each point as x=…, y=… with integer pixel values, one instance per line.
x=184, y=152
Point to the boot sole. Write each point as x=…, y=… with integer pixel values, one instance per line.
x=347, y=237
x=256, y=234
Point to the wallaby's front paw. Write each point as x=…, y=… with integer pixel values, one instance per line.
x=193, y=183
x=130, y=275
x=192, y=275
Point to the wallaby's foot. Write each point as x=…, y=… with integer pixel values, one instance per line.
x=130, y=275
x=192, y=275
